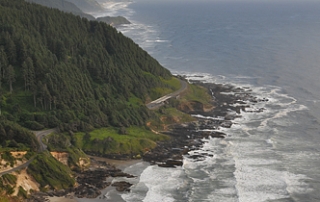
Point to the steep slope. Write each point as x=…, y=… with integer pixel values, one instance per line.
x=60, y=70
x=87, y=5
x=63, y=6
x=114, y=21
x=69, y=7
x=59, y=4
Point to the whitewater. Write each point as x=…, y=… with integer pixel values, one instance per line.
x=269, y=48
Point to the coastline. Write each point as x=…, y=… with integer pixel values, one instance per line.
x=228, y=103
x=120, y=164
x=60, y=199
x=97, y=163
x=107, y=179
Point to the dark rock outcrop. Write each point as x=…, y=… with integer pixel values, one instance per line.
x=122, y=186
x=229, y=102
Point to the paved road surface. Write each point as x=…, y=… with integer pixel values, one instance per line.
x=40, y=135
x=42, y=147
x=18, y=167
x=160, y=101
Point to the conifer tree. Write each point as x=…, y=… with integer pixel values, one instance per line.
x=80, y=72
x=10, y=76
x=3, y=64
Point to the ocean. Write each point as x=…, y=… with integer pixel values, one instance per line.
x=271, y=48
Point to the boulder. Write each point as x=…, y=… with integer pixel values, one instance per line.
x=122, y=186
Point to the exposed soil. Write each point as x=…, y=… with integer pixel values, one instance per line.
x=228, y=102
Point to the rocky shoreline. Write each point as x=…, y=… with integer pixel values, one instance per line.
x=90, y=183
x=228, y=102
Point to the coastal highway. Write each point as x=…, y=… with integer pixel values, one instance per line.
x=42, y=147
x=24, y=165
x=40, y=135
x=160, y=101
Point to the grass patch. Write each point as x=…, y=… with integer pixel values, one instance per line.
x=8, y=157
x=134, y=101
x=108, y=140
x=172, y=84
x=65, y=142
x=22, y=193
x=172, y=115
x=9, y=179
x=48, y=171
x=7, y=183
x=75, y=155
x=197, y=93
x=4, y=199
x=167, y=116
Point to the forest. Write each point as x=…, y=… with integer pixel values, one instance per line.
x=61, y=70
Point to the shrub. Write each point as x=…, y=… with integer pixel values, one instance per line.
x=33, y=125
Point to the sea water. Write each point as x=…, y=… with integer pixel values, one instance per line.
x=269, y=47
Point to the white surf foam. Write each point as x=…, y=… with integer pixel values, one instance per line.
x=208, y=117
x=113, y=9
x=161, y=184
x=259, y=173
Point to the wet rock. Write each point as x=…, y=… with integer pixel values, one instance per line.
x=229, y=102
x=226, y=124
x=195, y=156
x=174, y=162
x=230, y=117
x=122, y=186
x=87, y=191
x=60, y=193
x=121, y=174
x=164, y=165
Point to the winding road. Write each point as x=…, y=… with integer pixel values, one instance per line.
x=42, y=147
x=160, y=101
x=40, y=134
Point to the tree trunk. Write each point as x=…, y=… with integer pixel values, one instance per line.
x=34, y=100
x=10, y=84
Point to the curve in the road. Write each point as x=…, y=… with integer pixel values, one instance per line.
x=40, y=134
x=42, y=147
x=160, y=101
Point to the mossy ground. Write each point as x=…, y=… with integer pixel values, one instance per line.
x=7, y=183
x=4, y=199
x=197, y=93
x=172, y=84
x=135, y=140
x=169, y=114
x=50, y=173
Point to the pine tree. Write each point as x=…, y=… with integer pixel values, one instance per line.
x=10, y=48
x=10, y=77
x=22, y=52
x=3, y=64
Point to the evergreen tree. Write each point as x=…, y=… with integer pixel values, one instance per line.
x=10, y=76
x=82, y=74
x=3, y=64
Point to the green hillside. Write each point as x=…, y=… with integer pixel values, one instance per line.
x=59, y=70
x=86, y=5
x=114, y=21
x=63, y=6
x=59, y=4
